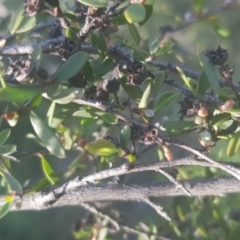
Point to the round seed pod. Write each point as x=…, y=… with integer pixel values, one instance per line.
x=198, y=120
x=227, y=105
x=202, y=112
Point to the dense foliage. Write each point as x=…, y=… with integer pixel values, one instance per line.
x=80, y=84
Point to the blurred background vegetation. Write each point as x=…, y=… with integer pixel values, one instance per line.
x=194, y=218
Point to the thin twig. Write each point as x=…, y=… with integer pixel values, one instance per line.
x=94, y=210
x=175, y=181
x=158, y=209
x=116, y=225
x=229, y=169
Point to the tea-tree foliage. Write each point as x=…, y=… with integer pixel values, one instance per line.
x=81, y=85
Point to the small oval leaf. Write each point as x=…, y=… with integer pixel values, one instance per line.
x=153, y=45
x=86, y=122
x=95, y=3
x=5, y=208
x=151, y=90
x=125, y=136
x=134, y=32
x=17, y=19
x=110, y=118
x=48, y=171
x=19, y=94
x=166, y=47
x=203, y=84
x=71, y=67
x=7, y=149
x=164, y=100
x=210, y=71
x=135, y=13
x=233, y=144
x=37, y=56
x=4, y=136
x=133, y=92
x=101, y=147
x=47, y=136
x=12, y=182
x=178, y=126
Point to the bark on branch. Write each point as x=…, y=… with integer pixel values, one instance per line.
x=116, y=192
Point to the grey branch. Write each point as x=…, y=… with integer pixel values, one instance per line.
x=47, y=46
x=115, y=192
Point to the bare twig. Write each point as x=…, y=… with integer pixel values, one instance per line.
x=173, y=180
x=158, y=209
x=94, y=210
x=229, y=169
x=116, y=225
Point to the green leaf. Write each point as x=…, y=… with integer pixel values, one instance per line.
x=102, y=45
x=47, y=136
x=135, y=13
x=86, y=122
x=19, y=94
x=140, y=56
x=112, y=158
x=61, y=94
x=149, y=11
x=71, y=67
x=37, y=56
x=125, y=136
x=83, y=113
x=220, y=118
x=166, y=47
x=70, y=33
x=233, y=144
x=94, y=40
x=132, y=158
x=188, y=82
x=39, y=185
x=68, y=140
x=7, y=149
x=222, y=31
x=36, y=101
x=12, y=182
x=153, y=45
x=95, y=3
x=133, y=92
x=29, y=22
x=150, y=2
x=101, y=147
x=225, y=91
x=50, y=112
x=5, y=208
x=151, y=90
x=110, y=118
x=210, y=71
x=134, y=32
x=156, y=84
x=164, y=100
x=203, y=84
x=176, y=126
x=4, y=136
x=48, y=171
x=17, y=19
